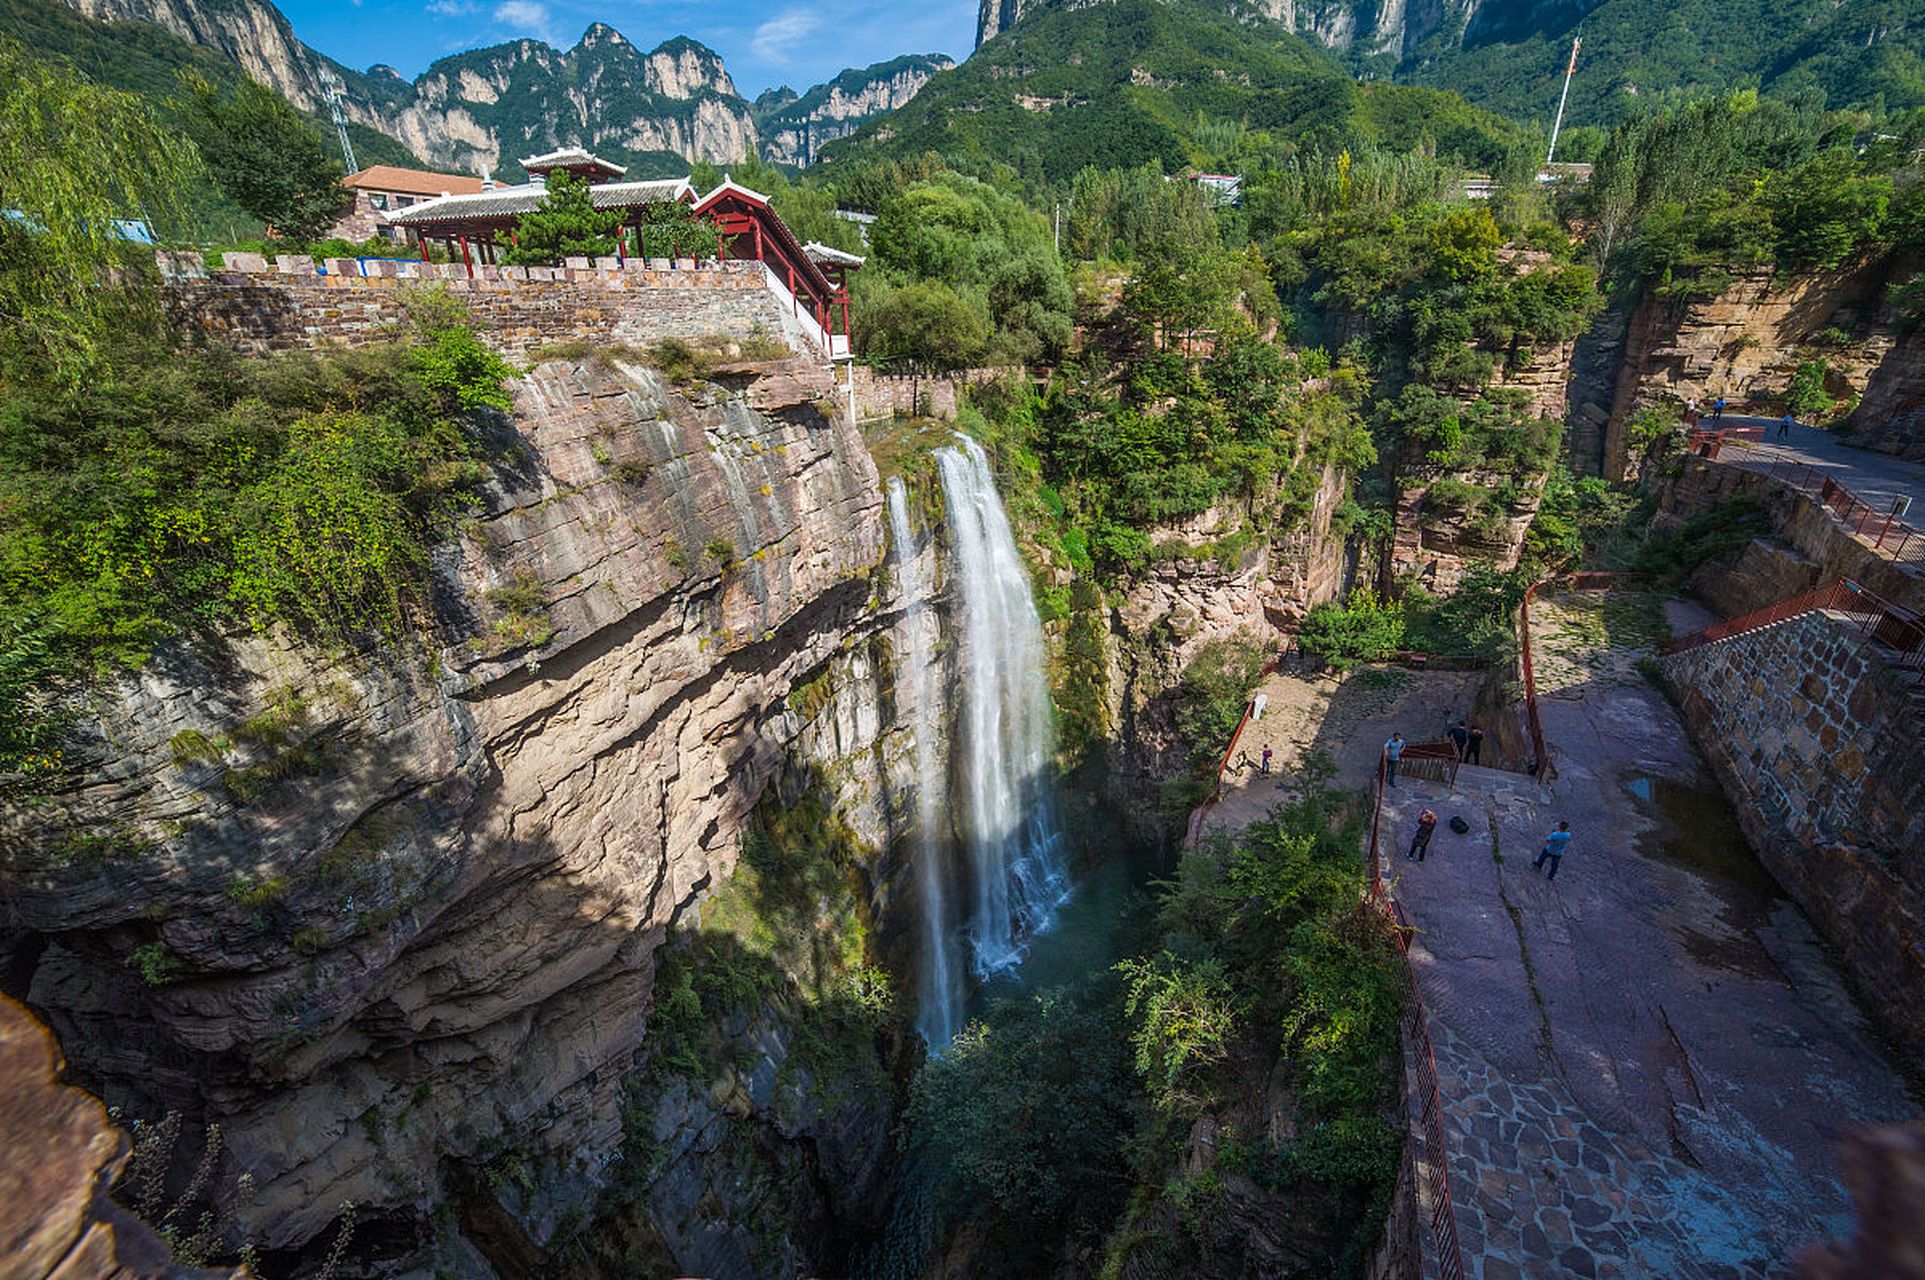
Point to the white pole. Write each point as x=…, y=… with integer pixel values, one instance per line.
x=1558, y=124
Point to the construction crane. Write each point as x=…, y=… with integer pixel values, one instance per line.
x=1562, y=98
x=331, y=87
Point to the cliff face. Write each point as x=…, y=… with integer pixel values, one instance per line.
x=1745, y=344
x=1890, y=416
x=795, y=129
x=396, y=924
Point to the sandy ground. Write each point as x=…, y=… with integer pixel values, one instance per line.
x=1647, y=1063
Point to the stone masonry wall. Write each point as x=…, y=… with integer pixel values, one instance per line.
x=1817, y=741
x=1815, y=548
x=256, y=308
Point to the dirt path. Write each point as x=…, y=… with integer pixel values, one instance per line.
x=1345, y=717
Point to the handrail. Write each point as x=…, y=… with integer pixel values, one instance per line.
x=1882, y=528
x=1899, y=630
x=1443, y=1208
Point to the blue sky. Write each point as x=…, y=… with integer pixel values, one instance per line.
x=763, y=42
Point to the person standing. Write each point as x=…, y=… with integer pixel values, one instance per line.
x=1460, y=738
x=1717, y=411
x=1691, y=413
x=1785, y=424
x=1265, y=766
x=1553, y=850
x=1393, y=752
x=1426, y=827
x=1476, y=746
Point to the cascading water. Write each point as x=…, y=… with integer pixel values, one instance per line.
x=939, y=1012
x=1011, y=836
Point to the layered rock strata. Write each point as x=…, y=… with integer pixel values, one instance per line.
x=394, y=922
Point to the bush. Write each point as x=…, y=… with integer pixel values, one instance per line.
x=1806, y=396
x=1362, y=629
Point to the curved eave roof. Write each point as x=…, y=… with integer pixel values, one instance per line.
x=831, y=257
x=508, y=202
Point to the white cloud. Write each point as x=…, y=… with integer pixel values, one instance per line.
x=451, y=8
x=773, y=38
x=529, y=16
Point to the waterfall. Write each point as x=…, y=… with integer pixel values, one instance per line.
x=939, y=1009
x=1011, y=837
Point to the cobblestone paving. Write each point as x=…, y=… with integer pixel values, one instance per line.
x=1542, y=1189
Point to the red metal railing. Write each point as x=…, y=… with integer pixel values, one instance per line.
x=1430, y=1104
x=1436, y=760
x=1885, y=531
x=1899, y=630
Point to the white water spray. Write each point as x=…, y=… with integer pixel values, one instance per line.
x=1011, y=836
x=939, y=1010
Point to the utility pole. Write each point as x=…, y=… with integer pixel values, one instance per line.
x=332, y=88
x=1558, y=124
x=1058, y=216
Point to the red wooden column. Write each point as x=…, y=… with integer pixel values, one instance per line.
x=467, y=258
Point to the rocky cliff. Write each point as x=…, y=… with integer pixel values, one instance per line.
x=1890, y=416
x=794, y=128
x=396, y=923
x=1743, y=343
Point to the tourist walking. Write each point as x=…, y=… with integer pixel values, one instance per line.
x=1785, y=424
x=1717, y=410
x=1265, y=766
x=1476, y=747
x=1691, y=412
x=1460, y=738
x=1393, y=752
x=1426, y=827
x=1553, y=850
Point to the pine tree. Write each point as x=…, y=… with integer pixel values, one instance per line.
x=565, y=224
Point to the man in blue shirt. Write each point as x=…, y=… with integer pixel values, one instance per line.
x=1393, y=752
x=1554, y=849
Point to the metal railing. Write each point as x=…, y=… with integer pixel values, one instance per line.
x=1901, y=631
x=1430, y=1103
x=1435, y=760
x=1881, y=527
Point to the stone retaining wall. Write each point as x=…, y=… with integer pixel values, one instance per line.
x=256, y=307
x=1815, y=549
x=1817, y=741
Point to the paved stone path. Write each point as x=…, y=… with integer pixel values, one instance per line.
x=1647, y=1064
x=1874, y=477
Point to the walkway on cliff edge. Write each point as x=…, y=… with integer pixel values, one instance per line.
x=1875, y=477
x=1646, y=1066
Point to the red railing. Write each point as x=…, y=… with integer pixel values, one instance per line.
x=1881, y=527
x=1435, y=760
x=1430, y=1103
x=1899, y=630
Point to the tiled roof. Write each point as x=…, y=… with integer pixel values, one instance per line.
x=569, y=158
x=510, y=201
x=834, y=257
x=413, y=182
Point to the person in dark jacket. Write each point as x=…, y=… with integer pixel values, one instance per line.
x=1426, y=828
x=1460, y=738
x=1476, y=747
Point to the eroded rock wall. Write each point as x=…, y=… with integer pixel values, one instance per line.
x=1816, y=739
x=389, y=921
x=1743, y=344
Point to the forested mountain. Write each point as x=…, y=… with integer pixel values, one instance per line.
x=1509, y=55
x=1133, y=81
x=656, y=110
x=794, y=129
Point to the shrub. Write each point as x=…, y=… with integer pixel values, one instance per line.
x=1806, y=396
x=1362, y=629
x=155, y=962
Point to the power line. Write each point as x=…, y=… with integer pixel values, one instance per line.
x=1558, y=124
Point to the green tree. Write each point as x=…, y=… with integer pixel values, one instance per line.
x=73, y=158
x=1362, y=629
x=926, y=321
x=265, y=156
x=565, y=224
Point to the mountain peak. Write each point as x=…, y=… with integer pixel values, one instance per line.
x=598, y=34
